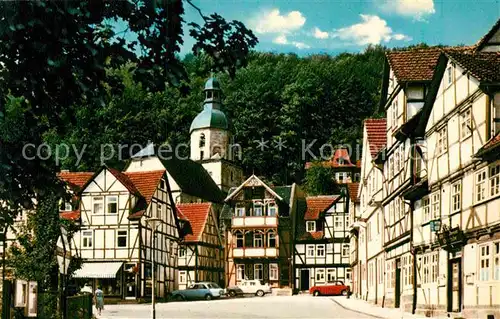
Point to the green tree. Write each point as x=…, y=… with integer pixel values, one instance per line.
x=319, y=180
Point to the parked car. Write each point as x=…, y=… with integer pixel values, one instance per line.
x=199, y=291
x=337, y=288
x=253, y=287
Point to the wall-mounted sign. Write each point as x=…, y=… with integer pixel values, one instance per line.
x=32, y=299
x=21, y=293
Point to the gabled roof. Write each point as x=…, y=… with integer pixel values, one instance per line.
x=71, y=215
x=75, y=180
x=413, y=65
x=197, y=215
x=484, y=66
x=376, y=134
x=353, y=188
x=193, y=179
x=253, y=181
x=340, y=153
x=124, y=179
x=484, y=40
x=146, y=182
x=316, y=205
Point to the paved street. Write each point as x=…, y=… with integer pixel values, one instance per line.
x=267, y=307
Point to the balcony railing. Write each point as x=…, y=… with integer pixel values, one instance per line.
x=251, y=252
x=255, y=221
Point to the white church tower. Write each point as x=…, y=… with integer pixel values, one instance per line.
x=211, y=138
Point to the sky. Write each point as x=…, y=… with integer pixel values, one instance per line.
x=333, y=26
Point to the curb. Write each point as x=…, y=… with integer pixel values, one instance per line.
x=356, y=311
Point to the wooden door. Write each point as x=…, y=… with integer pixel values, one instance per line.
x=304, y=279
x=455, y=285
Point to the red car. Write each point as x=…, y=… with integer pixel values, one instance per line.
x=336, y=288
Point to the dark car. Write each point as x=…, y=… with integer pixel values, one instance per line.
x=336, y=288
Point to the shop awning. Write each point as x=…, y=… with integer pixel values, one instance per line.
x=98, y=270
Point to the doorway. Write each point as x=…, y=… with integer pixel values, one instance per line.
x=397, y=284
x=455, y=285
x=304, y=279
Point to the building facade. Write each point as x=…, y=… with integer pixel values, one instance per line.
x=321, y=253
x=259, y=237
x=201, y=252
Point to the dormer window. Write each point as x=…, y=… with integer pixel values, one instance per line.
x=311, y=226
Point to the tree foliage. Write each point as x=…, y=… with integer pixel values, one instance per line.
x=319, y=181
x=54, y=56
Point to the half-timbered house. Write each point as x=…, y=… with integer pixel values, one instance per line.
x=201, y=253
x=321, y=254
x=369, y=227
x=345, y=167
x=116, y=242
x=258, y=222
x=354, y=218
x=457, y=224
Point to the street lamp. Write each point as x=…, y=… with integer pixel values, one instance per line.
x=153, y=223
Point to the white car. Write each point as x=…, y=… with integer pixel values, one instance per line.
x=250, y=287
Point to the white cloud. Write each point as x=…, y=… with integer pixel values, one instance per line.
x=273, y=22
x=282, y=39
x=318, y=34
x=417, y=9
x=372, y=30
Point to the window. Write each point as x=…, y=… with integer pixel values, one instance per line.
x=331, y=275
x=240, y=210
x=449, y=74
x=435, y=202
x=396, y=162
x=68, y=207
x=369, y=231
x=310, y=251
x=341, y=161
x=202, y=140
x=240, y=272
x=311, y=226
x=338, y=222
x=394, y=113
x=484, y=272
x=320, y=275
x=426, y=209
x=495, y=180
x=258, y=240
x=271, y=239
x=391, y=167
x=397, y=209
x=163, y=185
x=182, y=252
x=121, y=238
x=273, y=272
x=87, y=239
x=465, y=124
x=356, y=177
x=258, y=272
x=345, y=250
x=434, y=267
x=239, y=239
x=496, y=261
x=456, y=195
x=98, y=205
x=480, y=186
x=320, y=250
x=182, y=277
x=257, y=209
x=272, y=209
x=442, y=141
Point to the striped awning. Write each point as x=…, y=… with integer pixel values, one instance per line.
x=98, y=270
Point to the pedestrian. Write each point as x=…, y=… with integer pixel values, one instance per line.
x=99, y=300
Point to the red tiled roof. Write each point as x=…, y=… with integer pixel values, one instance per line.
x=75, y=180
x=376, y=135
x=71, y=215
x=197, y=215
x=146, y=182
x=136, y=215
x=493, y=142
x=484, y=66
x=318, y=204
x=353, y=191
x=314, y=235
x=124, y=179
x=414, y=65
x=340, y=153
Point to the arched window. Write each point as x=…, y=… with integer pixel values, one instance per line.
x=202, y=140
